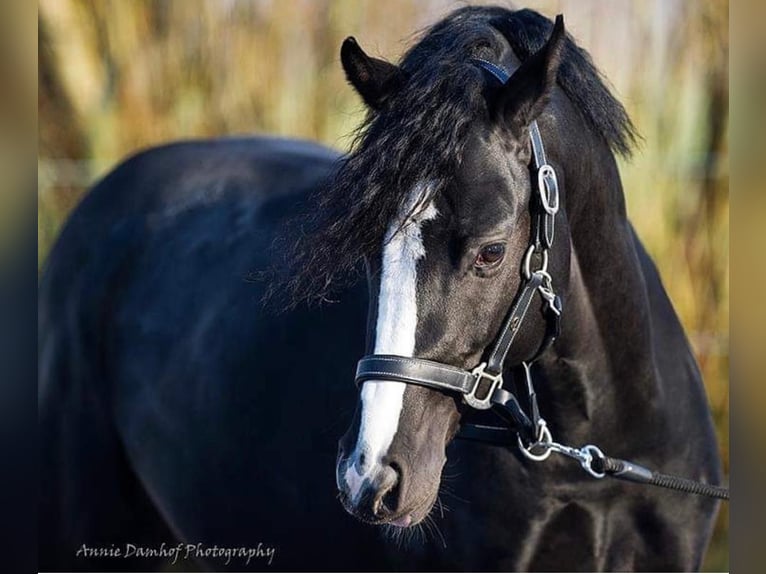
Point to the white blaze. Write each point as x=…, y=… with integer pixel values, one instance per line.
x=394, y=335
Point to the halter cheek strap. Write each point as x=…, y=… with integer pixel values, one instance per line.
x=482, y=387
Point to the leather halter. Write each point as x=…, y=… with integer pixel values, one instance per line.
x=482, y=387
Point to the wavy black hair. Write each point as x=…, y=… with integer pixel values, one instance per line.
x=419, y=136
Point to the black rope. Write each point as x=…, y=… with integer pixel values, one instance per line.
x=633, y=472
x=686, y=485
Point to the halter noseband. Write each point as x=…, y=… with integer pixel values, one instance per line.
x=482, y=387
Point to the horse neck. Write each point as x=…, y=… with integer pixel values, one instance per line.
x=601, y=370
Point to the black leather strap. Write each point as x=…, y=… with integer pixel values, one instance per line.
x=512, y=323
x=416, y=371
x=500, y=436
x=507, y=407
x=552, y=326
x=446, y=378
x=499, y=73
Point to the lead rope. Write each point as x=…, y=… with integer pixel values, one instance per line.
x=619, y=468
x=599, y=465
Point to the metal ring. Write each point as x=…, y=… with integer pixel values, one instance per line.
x=587, y=464
x=546, y=193
x=544, y=439
x=528, y=262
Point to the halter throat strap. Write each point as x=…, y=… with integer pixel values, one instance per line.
x=482, y=387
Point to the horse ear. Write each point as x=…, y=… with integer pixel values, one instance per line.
x=528, y=91
x=375, y=80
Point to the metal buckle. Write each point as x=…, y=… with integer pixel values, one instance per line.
x=547, y=293
x=485, y=403
x=549, y=195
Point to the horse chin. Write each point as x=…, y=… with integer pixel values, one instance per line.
x=412, y=517
x=402, y=522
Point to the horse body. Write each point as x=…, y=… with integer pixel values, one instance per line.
x=622, y=375
x=175, y=405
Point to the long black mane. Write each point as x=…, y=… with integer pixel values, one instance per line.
x=420, y=134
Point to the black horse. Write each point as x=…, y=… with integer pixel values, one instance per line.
x=178, y=403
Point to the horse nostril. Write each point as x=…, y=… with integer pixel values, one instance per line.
x=388, y=498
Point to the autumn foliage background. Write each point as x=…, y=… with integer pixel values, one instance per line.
x=117, y=76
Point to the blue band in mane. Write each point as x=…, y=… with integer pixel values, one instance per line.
x=498, y=72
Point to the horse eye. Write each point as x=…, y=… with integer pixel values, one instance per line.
x=490, y=254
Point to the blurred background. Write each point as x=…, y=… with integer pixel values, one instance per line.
x=118, y=76
x=18, y=292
